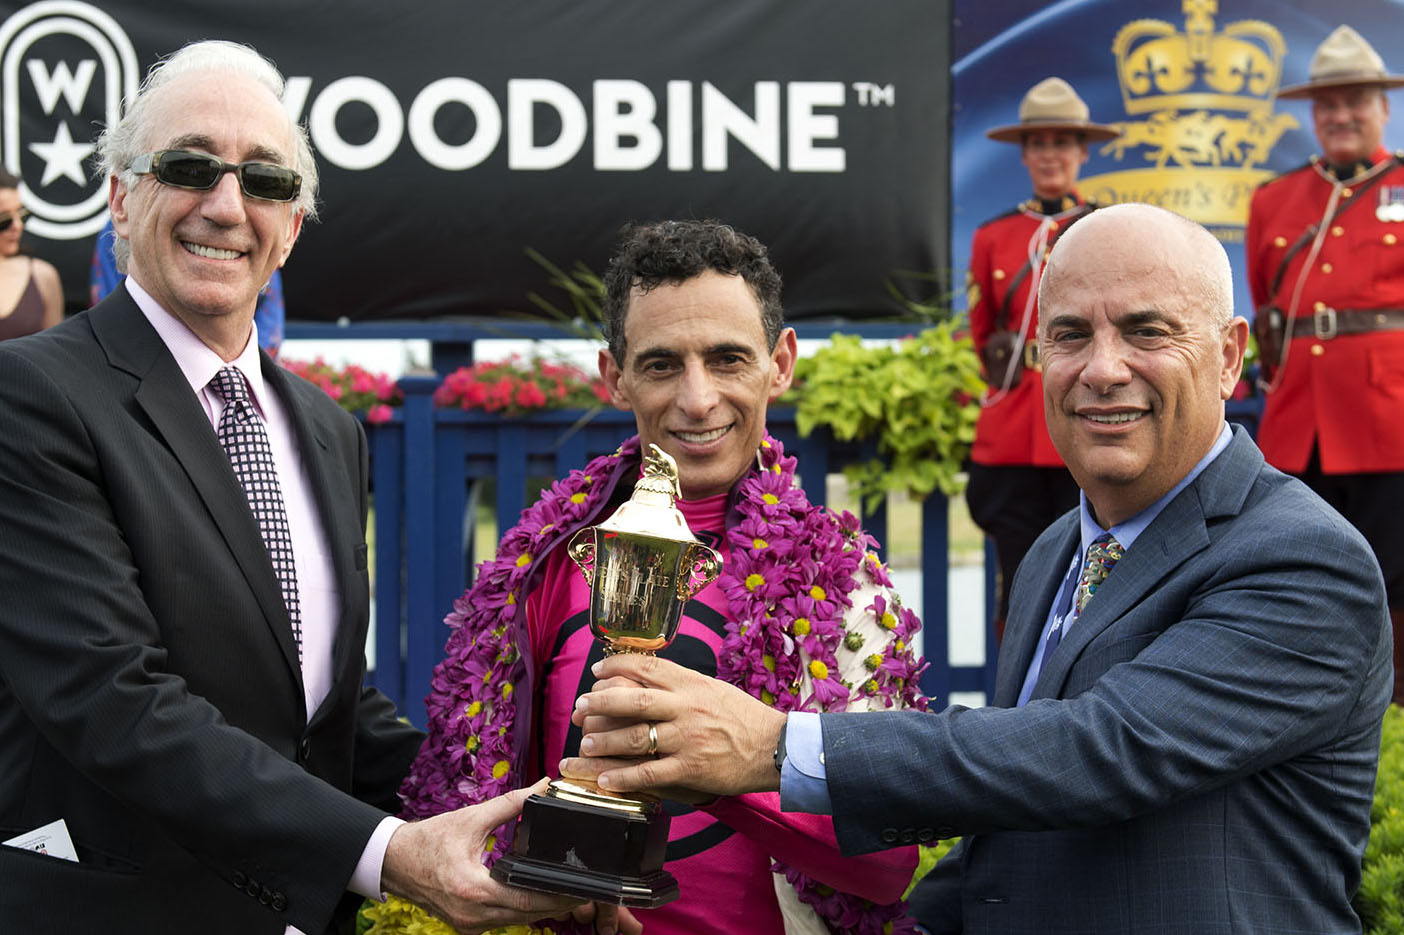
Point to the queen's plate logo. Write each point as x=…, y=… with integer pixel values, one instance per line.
x=65, y=69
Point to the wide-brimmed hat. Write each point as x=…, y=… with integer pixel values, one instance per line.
x=1344, y=59
x=1052, y=104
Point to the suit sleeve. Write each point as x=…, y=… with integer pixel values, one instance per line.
x=83, y=659
x=1280, y=642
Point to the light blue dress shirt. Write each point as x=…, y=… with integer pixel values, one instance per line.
x=804, y=783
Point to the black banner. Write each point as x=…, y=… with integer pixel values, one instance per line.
x=453, y=136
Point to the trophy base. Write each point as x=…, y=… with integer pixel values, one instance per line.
x=584, y=847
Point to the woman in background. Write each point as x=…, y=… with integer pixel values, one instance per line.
x=1018, y=484
x=31, y=298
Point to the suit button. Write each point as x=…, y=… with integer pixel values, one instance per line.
x=925, y=835
x=908, y=836
x=280, y=902
x=266, y=896
x=304, y=750
x=240, y=878
x=253, y=889
x=945, y=831
x=889, y=835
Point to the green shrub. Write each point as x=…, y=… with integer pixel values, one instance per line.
x=1380, y=901
x=917, y=401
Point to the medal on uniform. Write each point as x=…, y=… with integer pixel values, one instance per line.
x=1391, y=204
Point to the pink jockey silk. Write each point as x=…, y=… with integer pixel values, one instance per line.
x=720, y=855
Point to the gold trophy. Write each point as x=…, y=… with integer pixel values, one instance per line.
x=642, y=564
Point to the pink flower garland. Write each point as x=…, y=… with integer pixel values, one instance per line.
x=781, y=596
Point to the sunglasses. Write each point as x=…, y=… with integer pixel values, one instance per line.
x=201, y=172
x=10, y=217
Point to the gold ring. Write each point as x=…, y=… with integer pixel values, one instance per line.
x=653, y=740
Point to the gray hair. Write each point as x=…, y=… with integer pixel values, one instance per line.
x=128, y=138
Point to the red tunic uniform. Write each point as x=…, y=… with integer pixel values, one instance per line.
x=1345, y=393
x=1012, y=429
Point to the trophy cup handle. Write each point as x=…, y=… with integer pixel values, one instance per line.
x=702, y=564
x=582, y=551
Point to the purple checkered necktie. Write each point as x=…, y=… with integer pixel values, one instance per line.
x=245, y=440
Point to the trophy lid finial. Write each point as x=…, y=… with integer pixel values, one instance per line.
x=650, y=509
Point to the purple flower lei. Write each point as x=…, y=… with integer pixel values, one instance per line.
x=797, y=596
x=784, y=596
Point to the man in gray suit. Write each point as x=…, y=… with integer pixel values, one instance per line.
x=1186, y=722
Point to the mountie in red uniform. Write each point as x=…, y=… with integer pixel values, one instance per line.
x=1342, y=383
x=1018, y=484
x=1003, y=289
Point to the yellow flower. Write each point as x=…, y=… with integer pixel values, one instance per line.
x=873, y=661
x=818, y=670
x=475, y=709
x=769, y=662
x=759, y=543
x=524, y=560
x=754, y=580
x=770, y=498
x=577, y=498
x=506, y=691
x=548, y=526
x=889, y=620
x=472, y=745
x=872, y=685
x=765, y=443
x=511, y=600
x=887, y=927
x=490, y=843
x=767, y=697
x=801, y=626
x=817, y=593
x=500, y=768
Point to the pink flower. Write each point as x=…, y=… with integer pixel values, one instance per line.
x=379, y=414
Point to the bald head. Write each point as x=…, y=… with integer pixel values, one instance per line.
x=1140, y=349
x=1139, y=238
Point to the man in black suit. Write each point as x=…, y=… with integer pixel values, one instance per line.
x=181, y=644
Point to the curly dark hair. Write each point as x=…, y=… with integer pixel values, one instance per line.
x=675, y=251
x=8, y=179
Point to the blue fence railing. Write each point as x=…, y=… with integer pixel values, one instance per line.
x=430, y=466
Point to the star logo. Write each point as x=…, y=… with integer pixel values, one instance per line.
x=62, y=157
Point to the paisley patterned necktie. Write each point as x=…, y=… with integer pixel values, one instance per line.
x=1102, y=555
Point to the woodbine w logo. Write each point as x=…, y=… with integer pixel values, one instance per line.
x=65, y=67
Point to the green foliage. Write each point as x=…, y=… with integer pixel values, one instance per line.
x=917, y=401
x=1380, y=900
x=584, y=290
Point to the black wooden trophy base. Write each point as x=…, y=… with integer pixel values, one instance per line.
x=597, y=853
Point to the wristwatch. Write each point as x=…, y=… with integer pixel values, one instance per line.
x=780, y=748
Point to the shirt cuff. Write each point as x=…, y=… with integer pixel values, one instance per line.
x=804, y=785
x=365, y=881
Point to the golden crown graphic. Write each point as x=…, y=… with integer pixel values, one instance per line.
x=1238, y=68
x=1201, y=122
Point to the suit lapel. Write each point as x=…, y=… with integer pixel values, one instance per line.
x=1176, y=534
x=163, y=393
x=1026, y=617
